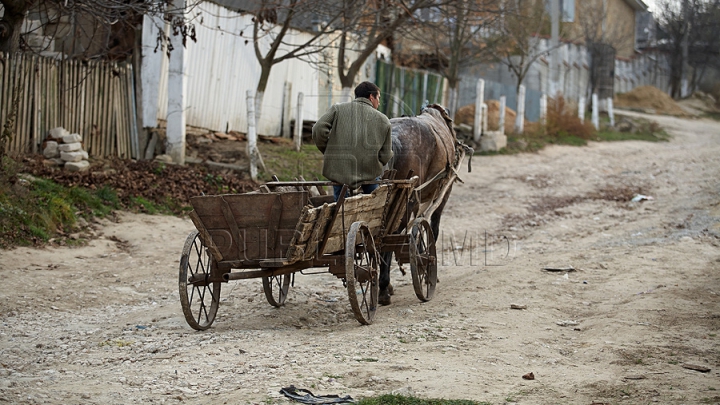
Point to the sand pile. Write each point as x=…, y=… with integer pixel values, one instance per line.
x=649, y=98
x=466, y=115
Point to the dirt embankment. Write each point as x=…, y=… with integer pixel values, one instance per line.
x=651, y=100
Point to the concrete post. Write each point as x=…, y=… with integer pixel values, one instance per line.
x=595, y=111
x=299, y=122
x=581, y=108
x=543, y=109
x=520, y=117
x=287, y=110
x=175, y=146
x=501, y=119
x=252, y=135
x=611, y=113
x=479, y=103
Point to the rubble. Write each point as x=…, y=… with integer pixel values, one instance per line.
x=63, y=149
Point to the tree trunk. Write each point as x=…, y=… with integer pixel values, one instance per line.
x=346, y=94
x=11, y=24
x=260, y=91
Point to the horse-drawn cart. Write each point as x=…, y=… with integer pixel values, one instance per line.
x=281, y=230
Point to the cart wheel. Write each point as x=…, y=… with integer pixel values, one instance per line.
x=361, y=272
x=199, y=297
x=423, y=261
x=276, y=289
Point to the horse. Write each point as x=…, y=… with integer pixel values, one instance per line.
x=423, y=146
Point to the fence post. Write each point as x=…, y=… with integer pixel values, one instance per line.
x=611, y=114
x=252, y=135
x=581, y=108
x=479, y=103
x=595, y=112
x=287, y=107
x=520, y=117
x=501, y=120
x=176, y=93
x=543, y=109
x=299, y=122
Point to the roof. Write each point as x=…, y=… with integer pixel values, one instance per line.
x=637, y=5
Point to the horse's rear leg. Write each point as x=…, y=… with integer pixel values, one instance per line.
x=385, y=287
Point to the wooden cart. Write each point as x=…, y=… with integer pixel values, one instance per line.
x=281, y=230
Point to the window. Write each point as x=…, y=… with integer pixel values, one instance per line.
x=567, y=8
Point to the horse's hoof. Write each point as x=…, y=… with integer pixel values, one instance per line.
x=384, y=298
x=390, y=289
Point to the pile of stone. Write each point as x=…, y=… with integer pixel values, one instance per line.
x=61, y=148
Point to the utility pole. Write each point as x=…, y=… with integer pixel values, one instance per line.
x=555, y=56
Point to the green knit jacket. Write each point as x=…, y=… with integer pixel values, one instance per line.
x=355, y=140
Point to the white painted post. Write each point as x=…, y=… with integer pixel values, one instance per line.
x=581, y=108
x=543, y=109
x=299, y=122
x=287, y=110
x=175, y=146
x=611, y=114
x=484, y=118
x=252, y=135
x=479, y=103
x=520, y=117
x=595, y=111
x=501, y=120
x=396, y=103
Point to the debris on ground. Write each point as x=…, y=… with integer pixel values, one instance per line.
x=306, y=397
x=696, y=368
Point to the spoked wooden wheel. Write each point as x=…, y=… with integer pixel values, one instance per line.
x=423, y=260
x=276, y=289
x=362, y=272
x=199, y=296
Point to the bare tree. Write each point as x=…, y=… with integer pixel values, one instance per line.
x=98, y=28
x=518, y=36
x=690, y=37
x=273, y=21
x=452, y=36
x=602, y=40
x=366, y=24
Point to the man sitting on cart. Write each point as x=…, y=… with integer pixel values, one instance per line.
x=355, y=139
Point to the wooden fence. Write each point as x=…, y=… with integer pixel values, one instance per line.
x=94, y=99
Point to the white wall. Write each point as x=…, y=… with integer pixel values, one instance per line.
x=221, y=67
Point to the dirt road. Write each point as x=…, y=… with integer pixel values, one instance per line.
x=103, y=324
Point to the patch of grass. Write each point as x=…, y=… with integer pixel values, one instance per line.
x=283, y=161
x=712, y=115
x=403, y=400
x=34, y=210
x=146, y=206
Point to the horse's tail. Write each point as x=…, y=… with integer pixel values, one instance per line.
x=397, y=150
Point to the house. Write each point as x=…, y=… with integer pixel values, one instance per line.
x=608, y=21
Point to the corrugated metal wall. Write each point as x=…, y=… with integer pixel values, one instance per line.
x=221, y=66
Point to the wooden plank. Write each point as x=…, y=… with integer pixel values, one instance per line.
x=323, y=217
x=274, y=221
x=37, y=110
x=205, y=237
x=232, y=225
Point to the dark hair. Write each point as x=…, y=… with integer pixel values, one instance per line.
x=365, y=89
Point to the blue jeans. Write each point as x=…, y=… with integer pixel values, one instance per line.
x=366, y=189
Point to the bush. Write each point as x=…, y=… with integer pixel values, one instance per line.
x=563, y=122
